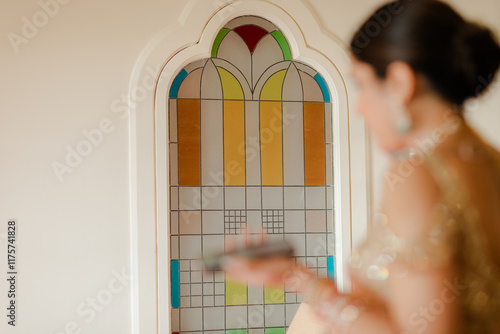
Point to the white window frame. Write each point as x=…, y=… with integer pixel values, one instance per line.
x=173, y=48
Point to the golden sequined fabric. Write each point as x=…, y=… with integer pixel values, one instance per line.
x=455, y=240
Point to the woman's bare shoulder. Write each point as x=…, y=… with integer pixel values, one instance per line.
x=410, y=196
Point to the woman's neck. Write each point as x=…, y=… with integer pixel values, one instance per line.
x=433, y=123
x=434, y=120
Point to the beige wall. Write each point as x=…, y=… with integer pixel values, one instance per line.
x=69, y=76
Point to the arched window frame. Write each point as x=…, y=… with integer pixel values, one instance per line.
x=148, y=145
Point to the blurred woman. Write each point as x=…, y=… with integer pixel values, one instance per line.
x=432, y=261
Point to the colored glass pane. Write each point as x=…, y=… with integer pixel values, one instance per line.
x=177, y=82
x=188, y=120
x=218, y=39
x=250, y=143
x=274, y=331
x=231, y=88
x=273, y=295
x=314, y=144
x=283, y=43
x=234, y=143
x=273, y=87
x=251, y=34
x=322, y=85
x=174, y=282
x=236, y=293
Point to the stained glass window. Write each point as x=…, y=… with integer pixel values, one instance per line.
x=250, y=150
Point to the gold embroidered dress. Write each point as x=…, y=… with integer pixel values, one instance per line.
x=456, y=238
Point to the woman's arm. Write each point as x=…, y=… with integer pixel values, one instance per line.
x=417, y=301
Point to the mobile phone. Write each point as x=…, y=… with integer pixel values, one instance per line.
x=265, y=250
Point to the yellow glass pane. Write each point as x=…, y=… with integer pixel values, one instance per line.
x=236, y=293
x=231, y=88
x=234, y=143
x=271, y=144
x=273, y=87
x=274, y=295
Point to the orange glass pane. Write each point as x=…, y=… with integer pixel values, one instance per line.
x=188, y=116
x=314, y=143
x=234, y=143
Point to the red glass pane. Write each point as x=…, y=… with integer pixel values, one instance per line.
x=251, y=35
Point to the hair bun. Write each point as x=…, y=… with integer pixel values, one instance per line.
x=477, y=57
x=457, y=57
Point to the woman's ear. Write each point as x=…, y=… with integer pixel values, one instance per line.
x=401, y=81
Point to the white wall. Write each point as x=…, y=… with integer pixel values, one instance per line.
x=74, y=235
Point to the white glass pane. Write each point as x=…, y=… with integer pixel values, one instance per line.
x=292, y=85
x=294, y=197
x=211, y=142
x=211, y=86
x=189, y=198
x=315, y=197
x=293, y=143
x=235, y=51
x=272, y=197
x=266, y=53
x=312, y=91
x=174, y=167
x=173, y=120
x=252, y=142
x=328, y=123
x=190, y=86
x=329, y=164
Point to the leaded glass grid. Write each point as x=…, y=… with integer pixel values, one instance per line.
x=251, y=149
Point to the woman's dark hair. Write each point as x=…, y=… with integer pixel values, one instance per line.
x=457, y=57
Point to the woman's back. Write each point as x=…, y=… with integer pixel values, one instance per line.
x=471, y=184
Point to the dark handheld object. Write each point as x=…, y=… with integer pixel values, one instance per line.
x=262, y=251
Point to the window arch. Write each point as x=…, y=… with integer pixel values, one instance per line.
x=250, y=149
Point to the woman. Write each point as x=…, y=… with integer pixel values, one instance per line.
x=432, y=263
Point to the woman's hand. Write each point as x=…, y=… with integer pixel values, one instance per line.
x=269, y=271
x=279, y=271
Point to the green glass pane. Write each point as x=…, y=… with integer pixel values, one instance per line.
x=283, y=43
x=237, y=331
x=218, y=39
x=275, y=331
